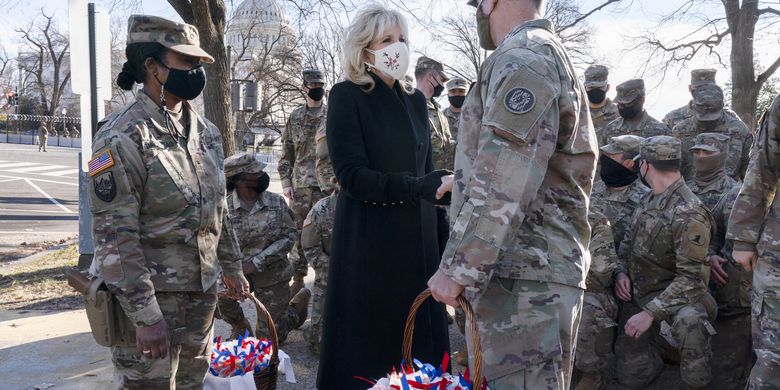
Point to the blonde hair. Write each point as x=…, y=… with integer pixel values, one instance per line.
x=370, y=22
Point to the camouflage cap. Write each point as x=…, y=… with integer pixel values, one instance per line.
x=457, y=83
x=596, y=76
x=622, y=144
x=700, y=77
x=711, y=142
x=660, y=148
x=313, y=76
x=429, y=63
x=244, y=162
x=628, y=91
x=708, y=102
x=179, y=37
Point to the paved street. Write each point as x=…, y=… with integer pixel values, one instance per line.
x=38, y=195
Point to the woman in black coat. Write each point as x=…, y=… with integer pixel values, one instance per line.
x=384, y=235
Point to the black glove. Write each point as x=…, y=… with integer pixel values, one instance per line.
x=425, y=187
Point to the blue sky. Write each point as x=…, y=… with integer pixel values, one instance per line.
x=610, y=40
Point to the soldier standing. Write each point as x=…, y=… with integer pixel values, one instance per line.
x=633, y=118
x=600, y=309
x=699, y=77
x=669, y=273
x=729, y=284
x=430, y=78
x=316, y=243
x=457, y=88
x=297, y=165
x=43, y=137
x=325, y=175
x=709, y=116
x=524, y=167
x=602, y=109
x=160, y=225
x=754, y=230
x=266, y=232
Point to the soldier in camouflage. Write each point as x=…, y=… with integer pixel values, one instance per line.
x=709, y=116
x=619, y=193
x=457, y=89
x=43, y=137
x=668, y=271
x=430, y=77
x=602, y=109
x=316, y=243
x=159, y=214
x=709, y=181
x=600, y=309
x=755, y=231
x=325, y=175
x=699, y=77
x=729, y=284
x=633, y=118
x=297, y=165
x=524, y=168
x=266, y=232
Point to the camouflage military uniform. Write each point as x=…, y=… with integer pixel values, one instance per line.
x=325, y=175
x=599, y=310
x=297, y=167
x=708, y=100
x=525, y=162
x=596, y=78
x=266, y=232
x=452, y=122
x=441, y=141
x=43, y=137
x=603, y=115
x=754, y=226
x=158, y=211
x=699, y=77
x=315, y=241
x=669, y=275
x=680, y=115
x=709, y=181
x=642, y=125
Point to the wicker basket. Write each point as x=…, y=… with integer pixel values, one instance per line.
x=266, y=379
x=476, y=373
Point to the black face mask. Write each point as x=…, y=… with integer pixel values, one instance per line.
x=437, y=90
x=316, y=94
x=630, y=112
x=456, y=101
x=186, y=84
x=614, y=174
x=596, y=95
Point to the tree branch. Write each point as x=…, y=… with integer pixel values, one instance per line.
x=768, y=10
x=586, y=15
x=184, y=9
x=763, y=77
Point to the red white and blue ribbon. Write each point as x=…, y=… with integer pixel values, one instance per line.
x=239, y=357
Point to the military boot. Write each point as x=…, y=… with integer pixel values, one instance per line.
x=297, y=284
x=300, y=302
x=240, y=329
x=591, y=381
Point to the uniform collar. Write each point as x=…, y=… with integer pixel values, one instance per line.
x=156, y=114
x=536, y=23
x=236, y=203
x=660, y=201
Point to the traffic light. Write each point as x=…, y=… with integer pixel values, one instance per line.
x=12, y=97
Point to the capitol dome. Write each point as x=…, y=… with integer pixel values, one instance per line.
x=266, y=25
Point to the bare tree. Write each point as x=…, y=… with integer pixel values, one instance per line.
x=745, y=24
x=47, y=60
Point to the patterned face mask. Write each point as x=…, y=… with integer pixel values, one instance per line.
x=392, y=60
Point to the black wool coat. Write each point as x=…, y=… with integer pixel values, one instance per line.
x=384, y=243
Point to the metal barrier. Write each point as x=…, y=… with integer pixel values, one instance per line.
x=30, y=137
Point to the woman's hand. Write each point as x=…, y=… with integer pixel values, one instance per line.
x=444, y=289
x=446, y=186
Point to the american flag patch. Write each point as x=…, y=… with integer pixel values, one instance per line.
x=100, y=163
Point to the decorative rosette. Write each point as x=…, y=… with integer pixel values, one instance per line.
x=425, y=377
x=238, y=357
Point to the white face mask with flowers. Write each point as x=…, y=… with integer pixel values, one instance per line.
x=392, y=60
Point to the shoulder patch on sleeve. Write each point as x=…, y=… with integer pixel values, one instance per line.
x=100, y=162
x=105, y=187
x=519, y=100
x=321, y=133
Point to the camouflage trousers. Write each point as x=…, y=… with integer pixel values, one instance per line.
x=639, y=362
x=42, y=141
x=313, y=333
x=596, y=332
x=191, y=316
x=274, y=296
x=766, y=340
x=527, y=333
x=303, y=200
x=733, y=351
